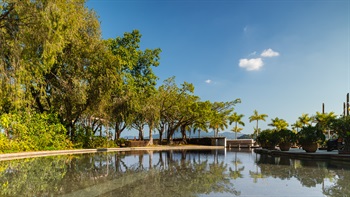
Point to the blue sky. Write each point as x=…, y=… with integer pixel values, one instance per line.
x=282, y=58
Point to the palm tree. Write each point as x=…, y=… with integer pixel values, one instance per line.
x=279, y=124
x=236, y=130
x=324, y=120
x=297, y=125
x=218, y=122
x=256, y=117
x=237, y=119
x=237, y=172
x=305, y=119
x=256, y=131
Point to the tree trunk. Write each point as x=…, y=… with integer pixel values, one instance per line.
x=117, y=132
x=170, y=137
x=150, y=143
x=161, y=131
x=160, y=138
x=141, y=133
x=183, y=132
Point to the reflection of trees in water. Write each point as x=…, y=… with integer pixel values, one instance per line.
x=19, y=177
x=176, y=173
x=237, y=172
x=309, y=172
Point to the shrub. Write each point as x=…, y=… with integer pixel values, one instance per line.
x=29, y=131
x=268, y=138
x=310, y=134
x=286, y=136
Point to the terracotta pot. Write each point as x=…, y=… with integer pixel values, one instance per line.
x=271, y=146
x=310, y=147
x=285, y=146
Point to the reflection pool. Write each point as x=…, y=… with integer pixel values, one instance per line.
x=221, y=172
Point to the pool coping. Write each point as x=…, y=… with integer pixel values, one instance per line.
x=23, y=155
x=301, y=154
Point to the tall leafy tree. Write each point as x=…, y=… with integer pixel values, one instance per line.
x=137, y=76
x=201, y=122
x=220, y=114
x=52, y=54
x=256, y=117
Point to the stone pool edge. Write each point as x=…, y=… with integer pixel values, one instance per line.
x=319, y=155
x=23, y=155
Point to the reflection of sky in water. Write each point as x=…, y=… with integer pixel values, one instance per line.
x=229, y=173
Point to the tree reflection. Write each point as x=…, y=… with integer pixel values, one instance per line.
x=309, y=173
x=341, y=182
x=173, y=173
x=237, y=172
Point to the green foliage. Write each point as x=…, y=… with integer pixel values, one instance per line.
x=32, y=132
x=287, y=136
x=256, y=117
x=279, y=124
x=268, y=138
x=305, y=119
x=85, y=138
x=121, y=141
x=342, y=126
x=310, y=134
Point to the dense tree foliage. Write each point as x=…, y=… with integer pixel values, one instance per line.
x=54, y=63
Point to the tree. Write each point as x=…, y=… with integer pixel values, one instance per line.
x=220, y=114
x=305, y=119
x=297, y=125
x=175, y=102
x=237, y=119
x=151, y=113
x=201, y=122
x=324, y=120
x=138, y=79
x=53, y=51
x=256, y=117
x=279, y=124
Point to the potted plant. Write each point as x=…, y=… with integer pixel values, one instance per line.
x=268, y=139
x=342, y=127
x=309, y=137
x=286, y=138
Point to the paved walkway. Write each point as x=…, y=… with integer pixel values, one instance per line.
x=21, y=155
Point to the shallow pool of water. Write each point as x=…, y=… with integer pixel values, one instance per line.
x=173, y=173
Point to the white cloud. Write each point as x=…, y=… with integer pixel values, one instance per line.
x=269, y=53
x=251, y=64
x=208, y=81
x=252, y=54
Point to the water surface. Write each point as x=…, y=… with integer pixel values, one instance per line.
x=173, y=173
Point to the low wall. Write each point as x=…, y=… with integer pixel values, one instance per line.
x=240, y=143
x=208, y=141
